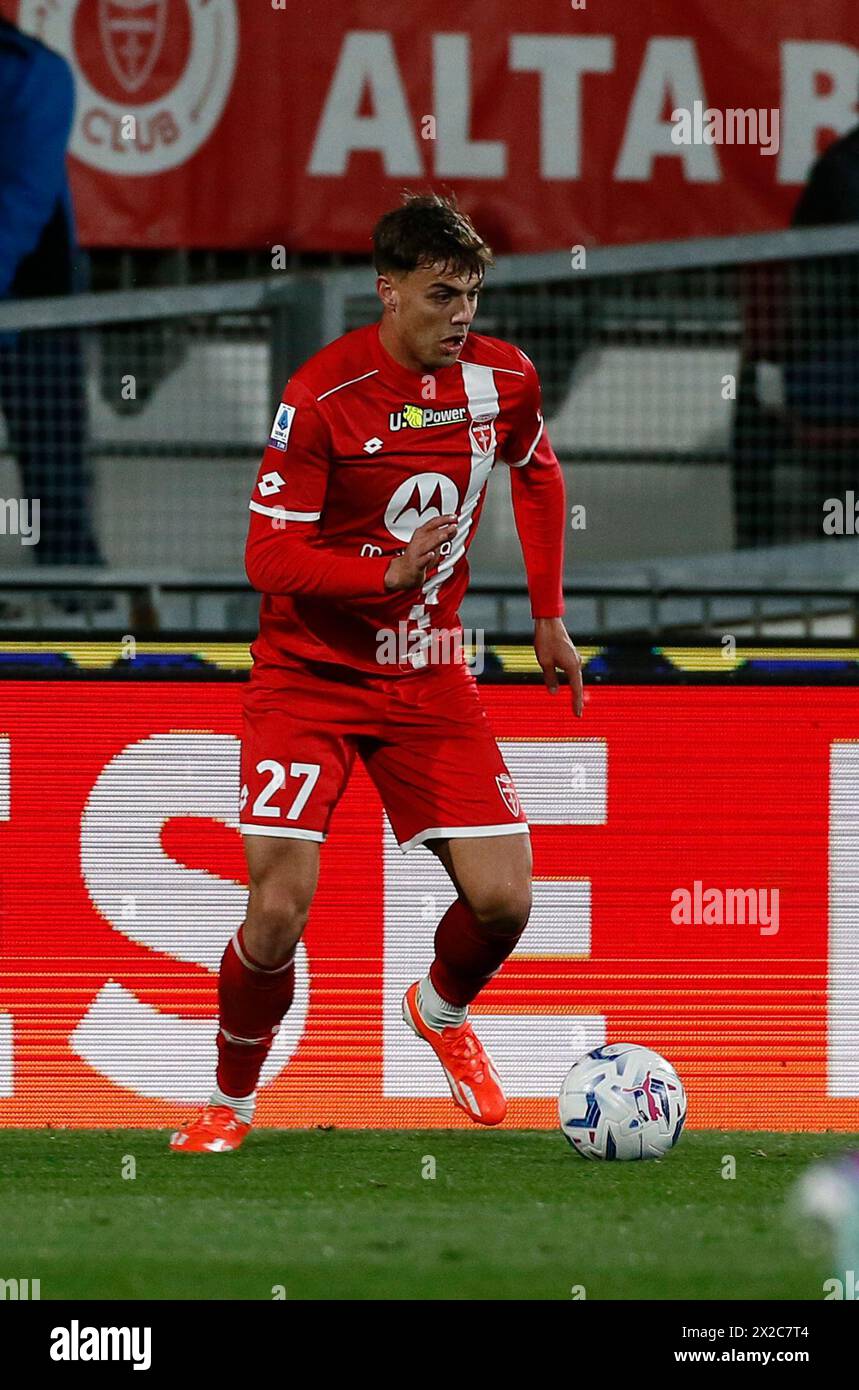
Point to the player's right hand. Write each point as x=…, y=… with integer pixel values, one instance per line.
x=408, y=570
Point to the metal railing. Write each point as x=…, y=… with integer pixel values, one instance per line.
x=632, y=347
x=594, y=610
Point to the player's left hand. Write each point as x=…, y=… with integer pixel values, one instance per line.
x=555, y=652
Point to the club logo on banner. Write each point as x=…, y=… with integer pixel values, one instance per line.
x=152, y=76
x=132, y=36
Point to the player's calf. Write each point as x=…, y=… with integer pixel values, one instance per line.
x=253, y=1000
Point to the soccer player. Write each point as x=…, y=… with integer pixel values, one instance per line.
x=367, y=498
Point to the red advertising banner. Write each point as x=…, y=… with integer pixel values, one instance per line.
x=696, y=891
x=210, y=123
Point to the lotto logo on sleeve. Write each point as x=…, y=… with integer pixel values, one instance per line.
x=282, y=425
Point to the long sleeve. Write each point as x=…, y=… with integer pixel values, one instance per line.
x=539, y=510
x=538, y=498
x=283, y=553
x=282, y=558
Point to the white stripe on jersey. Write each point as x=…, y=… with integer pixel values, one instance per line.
x=350, y=382
x=283, y=514
x=480, y=389
x=511, y=371
x=527, y=459
x=482, y=396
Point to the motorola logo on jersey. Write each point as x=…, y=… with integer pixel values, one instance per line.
x=419, y=499
x=421, y=417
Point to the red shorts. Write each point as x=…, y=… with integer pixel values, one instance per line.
x=424, y=738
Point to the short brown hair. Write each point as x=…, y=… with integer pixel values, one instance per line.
x=429, y=229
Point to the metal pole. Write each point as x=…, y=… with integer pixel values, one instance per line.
x=296, y=332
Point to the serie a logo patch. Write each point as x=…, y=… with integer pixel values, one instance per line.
x=279, y=437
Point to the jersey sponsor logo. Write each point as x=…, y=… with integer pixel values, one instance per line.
x=419, y=499
x=270, y=483
x=282, y=425
x=421, y=417
x=509, y=795
x=481, y=432
x=372, y=446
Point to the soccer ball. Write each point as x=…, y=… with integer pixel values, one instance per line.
x=622, y=1101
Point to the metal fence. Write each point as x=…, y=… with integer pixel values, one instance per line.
x=703, y=397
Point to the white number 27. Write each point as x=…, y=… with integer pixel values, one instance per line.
x=310, y=773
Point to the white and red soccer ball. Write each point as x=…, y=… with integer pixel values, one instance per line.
x=623, y=1102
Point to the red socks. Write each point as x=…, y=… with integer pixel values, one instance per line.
x=467, y=954
x=253, y=1000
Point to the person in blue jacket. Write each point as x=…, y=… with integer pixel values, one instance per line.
x=42, y=386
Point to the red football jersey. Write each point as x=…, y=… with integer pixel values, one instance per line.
x=362, y=452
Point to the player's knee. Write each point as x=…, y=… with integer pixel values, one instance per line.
x=502, y=908
x=276, y=918
x=280, y=911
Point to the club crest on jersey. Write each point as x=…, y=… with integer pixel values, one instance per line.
x=422, y=417
x=282, y=425
x=504, y=782
x=481, y=432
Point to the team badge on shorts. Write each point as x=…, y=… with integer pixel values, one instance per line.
x=504, y=782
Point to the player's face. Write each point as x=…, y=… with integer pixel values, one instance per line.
x=429, y=314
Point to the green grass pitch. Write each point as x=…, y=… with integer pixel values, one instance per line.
x=348, y=1214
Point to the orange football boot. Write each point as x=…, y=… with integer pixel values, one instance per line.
x=216, y=1129
x=473, y=1080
